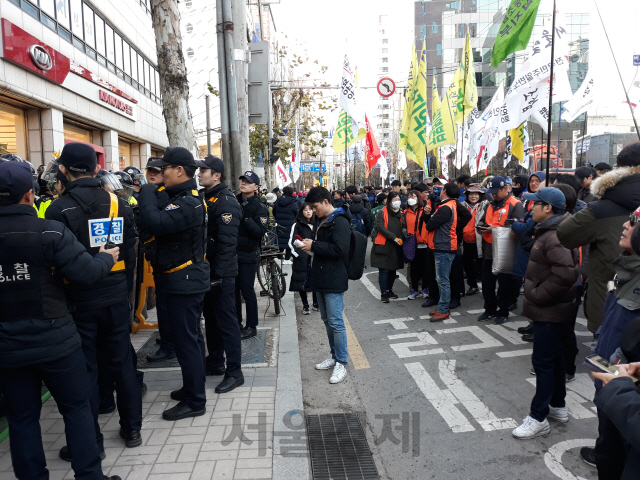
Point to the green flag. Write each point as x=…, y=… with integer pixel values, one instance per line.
x=515, y=30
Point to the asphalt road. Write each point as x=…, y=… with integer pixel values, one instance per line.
x=441, y=399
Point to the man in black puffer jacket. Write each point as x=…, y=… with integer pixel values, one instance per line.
x=220, y=317
x=255, y=220
x=102, y=309
x=38, y=337
x=285, y=211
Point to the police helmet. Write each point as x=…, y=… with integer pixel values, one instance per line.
x=12, y=157
x=127, y=184
x=51, y=175
x=109, y=181
x=136, y=174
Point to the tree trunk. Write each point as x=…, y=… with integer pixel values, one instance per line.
x=174, y=86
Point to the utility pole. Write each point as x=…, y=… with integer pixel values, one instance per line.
x=241, y=58
x=206, y=99
x=232, y=95
x=225, y=139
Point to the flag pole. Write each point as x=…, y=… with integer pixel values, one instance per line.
x=635, y=122
x=346, y=150
x=584, y=129
x=559, y=129
x=553, y=44
x=464, y=94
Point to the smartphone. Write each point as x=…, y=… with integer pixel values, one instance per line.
x=597, y=364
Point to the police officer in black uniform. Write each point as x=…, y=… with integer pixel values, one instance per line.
x=38, y=337
x=180, y=271
x=102, y=309
x=255, y=220
x=221, y=321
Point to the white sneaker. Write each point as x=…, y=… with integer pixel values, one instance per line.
x=531, y=428
x=339, y=373
x=287, y=262
x=413, y=295
x=327, y=364
x=559, y=414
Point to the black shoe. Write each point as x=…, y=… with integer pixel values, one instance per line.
x=486, y=316
x=473, y=291
x=106, y=410
x=525, y=330
x=305, y=310
x=384, y=297
x=64, y=454
x=248, y=332
x=143, y=390
x=454, y=303
x=161, y=355
x=180, y=411
x=158, y=340
x=513, y=306
x=214, y=372
x=315, y=307
x=177, y=395
x=430, y=302
x=528, y=337
x=229, y=383
x=391, y=294
x=587, y=456
x=132, y=439
x=500, y=320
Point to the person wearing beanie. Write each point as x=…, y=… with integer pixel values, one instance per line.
x=102, y=312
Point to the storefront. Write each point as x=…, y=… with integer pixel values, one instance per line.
x=13, y=132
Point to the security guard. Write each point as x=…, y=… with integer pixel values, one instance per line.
x=38, y=338
x=221, y=321
x=102, y=309
x=180, y=271
x=255, y=220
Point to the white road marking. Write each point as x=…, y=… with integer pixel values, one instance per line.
x=375, y=291
x=583, y=386
x=398, y=323
x=449, y=320
x=486, y=340
x=509, y=335
x=402, y=278
x=515, y=325
x=475, y=312
x=487, y=420
x=515, y=353
x=441, y=400
x=553, y=458
x=581, y=321
x=424, y=339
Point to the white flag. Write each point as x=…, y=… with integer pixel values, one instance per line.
x=348, y=100
x=581, y=101
x=525, y=140
x=384, y=169
x=402, y=160
x=481, y=125
x=282, y=176
x=463, y=144
x=443, y=153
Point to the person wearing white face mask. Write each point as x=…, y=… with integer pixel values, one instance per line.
x=413, y=226
x=386, y=254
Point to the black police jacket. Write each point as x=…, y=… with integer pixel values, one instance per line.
x=179, y=227
x=255, y=218
x=35, y=255
x=83, y=203
x=225, y=214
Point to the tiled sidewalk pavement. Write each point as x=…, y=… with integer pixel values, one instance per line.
x=192, y=448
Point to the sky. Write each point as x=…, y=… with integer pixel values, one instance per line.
x=331, y=28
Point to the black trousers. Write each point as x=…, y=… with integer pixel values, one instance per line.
x=184, y=314
x=611, y=451
x=164, y=326
x=419, y=269
x=222, y=328
x=456, y=277
x=305, y=298
x=244, y=286
x=495, y=303
x=106, y=329
x=106, y=384
x=472, y=264
x=69, y=385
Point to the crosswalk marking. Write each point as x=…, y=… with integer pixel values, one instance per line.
x=397, y=323
x=509, y=335
x=486, y=340
x=515, y=353
x=424, y=339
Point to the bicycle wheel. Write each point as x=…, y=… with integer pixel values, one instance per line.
x=264, y=274
x=274, y=293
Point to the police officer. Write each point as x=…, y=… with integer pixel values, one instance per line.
x=102, y=309
x=255, y=220
x=180, y=271
x=138, y=178
x=221, y=321
x=38, y=338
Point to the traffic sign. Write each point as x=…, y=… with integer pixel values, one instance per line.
x=636, y=60
x=386, y=87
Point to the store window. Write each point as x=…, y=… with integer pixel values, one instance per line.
x=76, y=134
x=13, y=137
x=124, y=154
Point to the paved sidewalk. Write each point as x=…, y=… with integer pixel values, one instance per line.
x=233, y=440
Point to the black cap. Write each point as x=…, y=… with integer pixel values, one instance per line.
x=15, y=180
x=212, y=162
x=496, y=184
x=582, y=172
x=150, y=167
x=78, y=158
x=250, y=177
x=177, y=156
x=603, y=166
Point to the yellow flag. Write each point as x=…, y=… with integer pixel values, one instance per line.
x=467, y=88
x=343, y=130
x=417, y=134
x=408, y=104
x=435, y=106
x=443, y=129
x=517, y=142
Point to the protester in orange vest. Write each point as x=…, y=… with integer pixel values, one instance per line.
x=443, y=240
x=504, y=207
x=386, y=254
x=412, y=225
x=475, y=203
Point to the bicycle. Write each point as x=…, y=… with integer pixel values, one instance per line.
x=270, y=276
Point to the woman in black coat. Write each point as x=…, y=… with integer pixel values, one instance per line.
x=303, y=227
x=285, y=212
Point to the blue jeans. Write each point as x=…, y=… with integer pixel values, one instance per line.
x=331, y=305
x=443, y=270
x=386, y=278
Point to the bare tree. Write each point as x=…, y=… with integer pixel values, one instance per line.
x=174, y=86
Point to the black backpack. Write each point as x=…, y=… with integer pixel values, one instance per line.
x=357, y=222
x=357, y=255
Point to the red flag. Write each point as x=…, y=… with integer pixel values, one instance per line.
x=372, y=151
